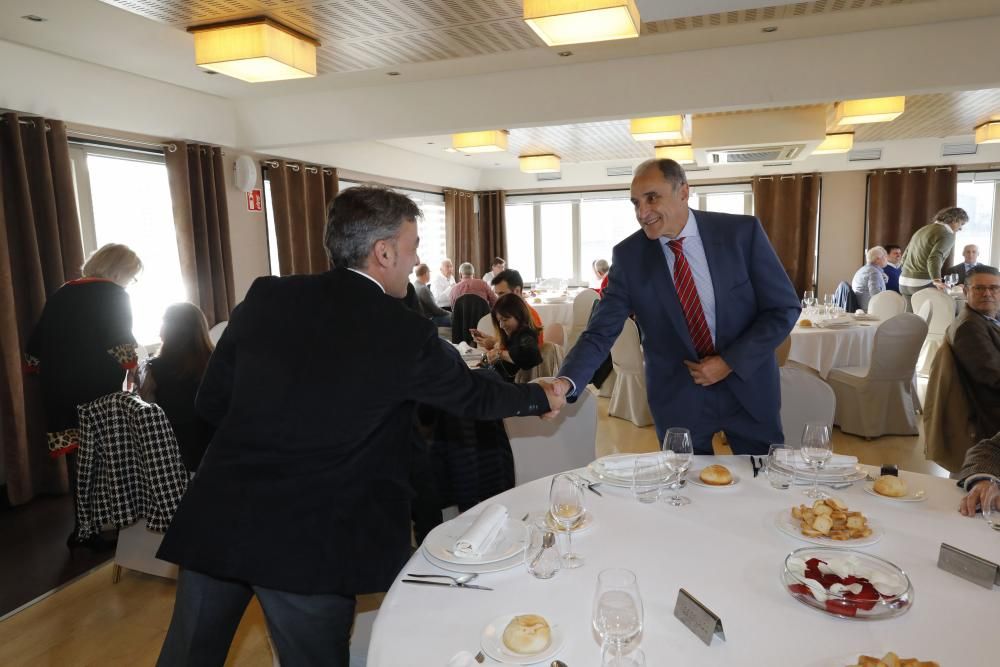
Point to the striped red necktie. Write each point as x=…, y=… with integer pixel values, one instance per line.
x=687, y=293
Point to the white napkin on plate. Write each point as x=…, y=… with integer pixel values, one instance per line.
x=481, y=534
x=835, y=322
x=837, y=463
x=618, y=464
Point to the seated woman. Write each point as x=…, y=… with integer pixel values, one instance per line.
x=171, y=378
x=870, y=279
x=518, y=336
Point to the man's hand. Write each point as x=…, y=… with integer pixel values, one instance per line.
x=940, y=285
x=709, y=370
x=482, y=340
x=555, y=392
x=974, y=498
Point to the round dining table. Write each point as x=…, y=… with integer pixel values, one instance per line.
x=825, y=349
x=551, y=313
x=726, y=551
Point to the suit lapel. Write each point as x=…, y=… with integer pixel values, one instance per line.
x=659, y=274
x=715, y=250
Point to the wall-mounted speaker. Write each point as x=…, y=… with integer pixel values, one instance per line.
x=245, y=173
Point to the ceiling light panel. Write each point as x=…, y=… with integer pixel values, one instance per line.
x=872, y=110
x=255, y=50
x=559, y=22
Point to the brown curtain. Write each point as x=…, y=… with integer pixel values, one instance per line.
x=300, y=197
x=460, y=221
x=201, y=220
x=43, y=249
x=901, y=201
x=787, y=207
x=492, y=228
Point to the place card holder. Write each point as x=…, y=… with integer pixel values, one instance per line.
x=968, y=566
x=698, y=618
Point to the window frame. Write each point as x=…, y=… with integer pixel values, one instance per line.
x=981, y=177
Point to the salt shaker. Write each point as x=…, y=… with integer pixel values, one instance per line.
x=545, y=562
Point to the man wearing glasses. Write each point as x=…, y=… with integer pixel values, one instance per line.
x=975, y=339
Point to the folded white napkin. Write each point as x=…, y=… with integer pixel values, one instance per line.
x=465, y=349
x=834, y=322
x=836, y=463
x=481, y=534
x=619, y=464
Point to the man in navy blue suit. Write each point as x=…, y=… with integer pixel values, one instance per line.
x=713, y=303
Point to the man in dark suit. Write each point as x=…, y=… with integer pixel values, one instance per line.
x=713, y=303
x=303, y=497
x=970, y=255
x=439, y=316
x=974, y=337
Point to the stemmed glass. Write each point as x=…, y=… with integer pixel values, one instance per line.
x=809, y=298
x=827, y=303
x=566, y=506
x=617, y=612
x=816, y=451
x=991, y=505
x=678, y=451
x=951, y=280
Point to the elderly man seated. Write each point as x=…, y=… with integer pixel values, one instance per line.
x=974, y=337
x=982, y=466
x=870, y=279
x=442, y=283
x=470, y=284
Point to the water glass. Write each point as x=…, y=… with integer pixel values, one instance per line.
x=617, y=614
x=650, y=474
x=678, y=451
x=541, y=557
x=780, y=477
x=566, y=506
x=991, y=505
x=611, y=659
x=816, y=451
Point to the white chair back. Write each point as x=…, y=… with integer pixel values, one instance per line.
x=555, y=334
x=926, y=311
x=486, y=325
x=626, y=353
x=805, y=398
x=583, y=305
x=942, y=315
x=628, y=398
x=552, y=358
x=896, y=347
x=215, y=333
x=886, y=304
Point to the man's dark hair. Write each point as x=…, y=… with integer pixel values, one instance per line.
x=510, y=276
x=497, y=260
x=672, y=171
x=980, y=270
x=361, y=216
x=889, y=248
x=422, y=270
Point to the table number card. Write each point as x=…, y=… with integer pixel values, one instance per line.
x=972, y=568
x=698, y=618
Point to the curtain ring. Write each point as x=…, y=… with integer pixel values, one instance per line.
x=171, y=148
x=294, y=167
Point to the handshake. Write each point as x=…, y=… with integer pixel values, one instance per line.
x=555, y=391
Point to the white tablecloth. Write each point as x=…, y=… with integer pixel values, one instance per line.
x=555, y=312
x=724, y=549
x=824, y=349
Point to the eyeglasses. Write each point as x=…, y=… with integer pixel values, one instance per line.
x=982, y=289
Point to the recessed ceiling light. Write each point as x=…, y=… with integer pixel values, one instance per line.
x=34, y=18
x=565, y=54
x=392, y=73
x=770, y=28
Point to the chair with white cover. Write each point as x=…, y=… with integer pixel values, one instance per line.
x=544, y=447
x=215, y=333
x=942, y=315
x=552, y=358
x=805, y=399
x=879, y=399
x=486, y=325
x=628, y=398
x=583, y=306
x=555, y=334
x=887, y=304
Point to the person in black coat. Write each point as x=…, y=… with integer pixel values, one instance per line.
x=302, y=497
x=517, y=335
x=171, y=378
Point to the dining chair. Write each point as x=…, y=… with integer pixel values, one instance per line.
x=583, y=306
x=942, y=315
x=878, y=399
x=805, y=398
x=887, y=304
x=555, y=333
x=215, y=333
x=486, y=325
x=947, y=419
x=628, y=397
x=468, y=311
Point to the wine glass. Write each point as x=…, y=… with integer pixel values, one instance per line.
x=566, y=506
x=816, y=451
x=808, y=298
x=991, y=505
x=678, y=453
x=827, y=303
x=617, y=612
x=951, y=280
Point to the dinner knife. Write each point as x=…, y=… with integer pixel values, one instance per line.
x=441, y=583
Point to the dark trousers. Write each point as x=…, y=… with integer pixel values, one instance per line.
x=305, y=629
x=722, y=411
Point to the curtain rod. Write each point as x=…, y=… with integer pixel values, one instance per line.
x=100, y=137
x=274, y=164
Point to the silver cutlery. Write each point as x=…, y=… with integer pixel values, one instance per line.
x=460, y=579
x=480, y=658
x=586, y=483
x=441, y=583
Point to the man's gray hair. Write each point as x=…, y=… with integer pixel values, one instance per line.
x=980, y=270
x=672, y=171
x=874, y=253
x=601, y=265
x=466, y=269
x=951, y=215
x=361, y=216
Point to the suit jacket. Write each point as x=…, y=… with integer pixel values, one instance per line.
x=982, y=459
x=756, y=309
x=304, y=487
x=427, y=304
x=958, y=269
x=976, y=344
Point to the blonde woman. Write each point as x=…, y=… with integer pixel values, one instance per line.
x=82, y=347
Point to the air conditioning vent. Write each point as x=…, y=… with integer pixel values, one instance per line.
x=554, y=176
x=619, y=171
x=778, y=164
x=755, y=154
x=958, y=149
x=694, y=167
x=865, y=154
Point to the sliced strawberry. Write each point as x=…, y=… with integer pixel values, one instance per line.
x=801, y=589
x=842, y=607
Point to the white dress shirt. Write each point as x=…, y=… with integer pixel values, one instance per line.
x=440, y=287
x=694, y=252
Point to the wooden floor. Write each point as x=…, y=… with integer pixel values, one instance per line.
x=95, y=622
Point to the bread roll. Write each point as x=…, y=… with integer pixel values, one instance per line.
x=891, y=486
x=805, y=322
x=716, y=475
x=527, y=634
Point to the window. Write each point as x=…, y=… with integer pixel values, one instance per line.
x=556, y=226
x=124, y=197
x=603, y=223
x=521, y=240
x=977, y=194
x=736, y=198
